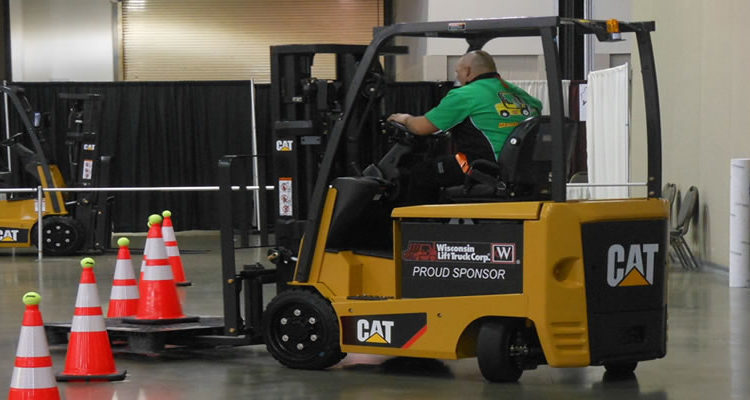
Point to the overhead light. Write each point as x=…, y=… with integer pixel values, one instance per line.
x=613, y=28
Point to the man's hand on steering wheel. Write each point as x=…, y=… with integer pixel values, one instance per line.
x=399, y=118
x=420, y=126
x=398, y=126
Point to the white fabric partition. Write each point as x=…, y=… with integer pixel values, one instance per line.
x=607, y=131
x=539, y=90
x=739, y=223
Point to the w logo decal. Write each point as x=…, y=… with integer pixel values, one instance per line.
x=504, y=253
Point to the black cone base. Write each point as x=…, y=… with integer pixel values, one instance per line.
x=165, y=321
x=117, y=376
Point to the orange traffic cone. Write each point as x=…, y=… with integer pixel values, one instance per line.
x=89, y=356
x=143, y=263
x=159, y=303
x=32, y=375
x=173, y=251
x=123, y=299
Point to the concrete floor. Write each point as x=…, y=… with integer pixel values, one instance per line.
x=708, y=348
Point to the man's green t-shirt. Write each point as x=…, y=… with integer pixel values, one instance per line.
x=486, y=110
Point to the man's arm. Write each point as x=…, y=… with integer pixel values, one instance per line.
x=416, y=125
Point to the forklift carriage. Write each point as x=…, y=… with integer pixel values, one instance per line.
x=516, y=276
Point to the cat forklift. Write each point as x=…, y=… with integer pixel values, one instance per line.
x=502, y=268
x=71, y=223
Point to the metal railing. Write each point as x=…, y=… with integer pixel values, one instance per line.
x=628, y=184
x=40, y=205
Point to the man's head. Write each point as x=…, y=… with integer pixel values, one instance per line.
x=473, y=64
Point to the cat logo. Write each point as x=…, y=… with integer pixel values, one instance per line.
x=284, y=145
x=9, y=235
x=626, y=267
x=89, y=147
x=378, y=330
x=374, y=332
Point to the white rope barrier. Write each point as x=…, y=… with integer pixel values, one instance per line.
x=17, y=190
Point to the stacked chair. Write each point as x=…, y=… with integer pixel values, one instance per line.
x=684, y=212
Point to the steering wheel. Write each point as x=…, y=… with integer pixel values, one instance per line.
x=12, y=140
x=399, y=126
x=400, y=133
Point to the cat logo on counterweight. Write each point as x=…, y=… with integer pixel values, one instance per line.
x=631, y=266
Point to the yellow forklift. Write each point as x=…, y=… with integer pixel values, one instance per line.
x=503, y=268
x=70, y=223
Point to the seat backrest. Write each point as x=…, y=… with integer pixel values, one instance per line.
x=526, y=157
x=688, y=208
x=669, y=192
x=580, y=177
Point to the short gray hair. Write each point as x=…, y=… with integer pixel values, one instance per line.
x=480, y=61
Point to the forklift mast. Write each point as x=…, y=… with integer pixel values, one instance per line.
x=88, y=168
x=304, y=110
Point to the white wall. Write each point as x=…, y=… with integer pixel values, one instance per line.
x=62, y=40
x=431, y=59
x=702, y=62
x=446, y=10
x=410, y=67
x=620, y=10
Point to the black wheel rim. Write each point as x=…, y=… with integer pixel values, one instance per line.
x=298, y=331
x=59, y=237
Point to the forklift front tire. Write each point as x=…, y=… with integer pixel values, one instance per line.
x=494, y=342
x=301, y=330
x=61, y=235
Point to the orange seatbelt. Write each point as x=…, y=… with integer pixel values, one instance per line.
x=463, y=162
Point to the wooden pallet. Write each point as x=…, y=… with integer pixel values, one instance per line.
x=157, y=339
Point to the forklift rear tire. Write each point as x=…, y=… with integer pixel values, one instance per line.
x=494, y=351
x=61, y=235
x=301, y=330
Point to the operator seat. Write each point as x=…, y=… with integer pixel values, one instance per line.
x=523, y=170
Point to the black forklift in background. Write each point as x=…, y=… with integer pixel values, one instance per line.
x=72, y=222
x=89, y=167
x=304, y=110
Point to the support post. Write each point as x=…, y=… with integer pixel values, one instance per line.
x=39, y=225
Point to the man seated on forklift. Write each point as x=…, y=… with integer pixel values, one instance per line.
x=481, y=113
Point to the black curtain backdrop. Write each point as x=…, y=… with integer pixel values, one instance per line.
x=173, y=134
